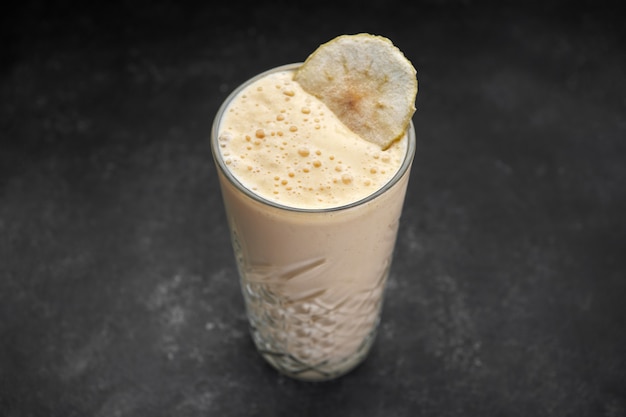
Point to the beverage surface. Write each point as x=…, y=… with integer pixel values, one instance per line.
x=286, y=146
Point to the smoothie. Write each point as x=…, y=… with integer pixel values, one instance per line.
x=313, y=211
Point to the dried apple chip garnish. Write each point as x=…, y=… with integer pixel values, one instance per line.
x=366, y=81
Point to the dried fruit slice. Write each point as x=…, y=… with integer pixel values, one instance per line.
x=366, y=81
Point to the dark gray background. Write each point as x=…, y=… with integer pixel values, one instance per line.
x=118, y=290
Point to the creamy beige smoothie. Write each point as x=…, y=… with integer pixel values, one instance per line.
x=313, y=211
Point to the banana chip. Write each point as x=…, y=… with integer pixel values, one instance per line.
x=366, y=81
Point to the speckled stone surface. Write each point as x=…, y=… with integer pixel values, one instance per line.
x=118, y=289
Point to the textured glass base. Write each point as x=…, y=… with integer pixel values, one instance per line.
x=319, y=334
x=306, y=321
x=322, y=371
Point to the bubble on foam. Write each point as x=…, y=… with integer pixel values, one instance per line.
x=224, y=138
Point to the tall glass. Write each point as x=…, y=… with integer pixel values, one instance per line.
x=312, y=279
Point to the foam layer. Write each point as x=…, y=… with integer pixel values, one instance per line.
x=288, y=147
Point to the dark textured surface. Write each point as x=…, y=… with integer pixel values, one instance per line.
x=118, y=290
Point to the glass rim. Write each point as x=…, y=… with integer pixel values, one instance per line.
x=220, y=163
